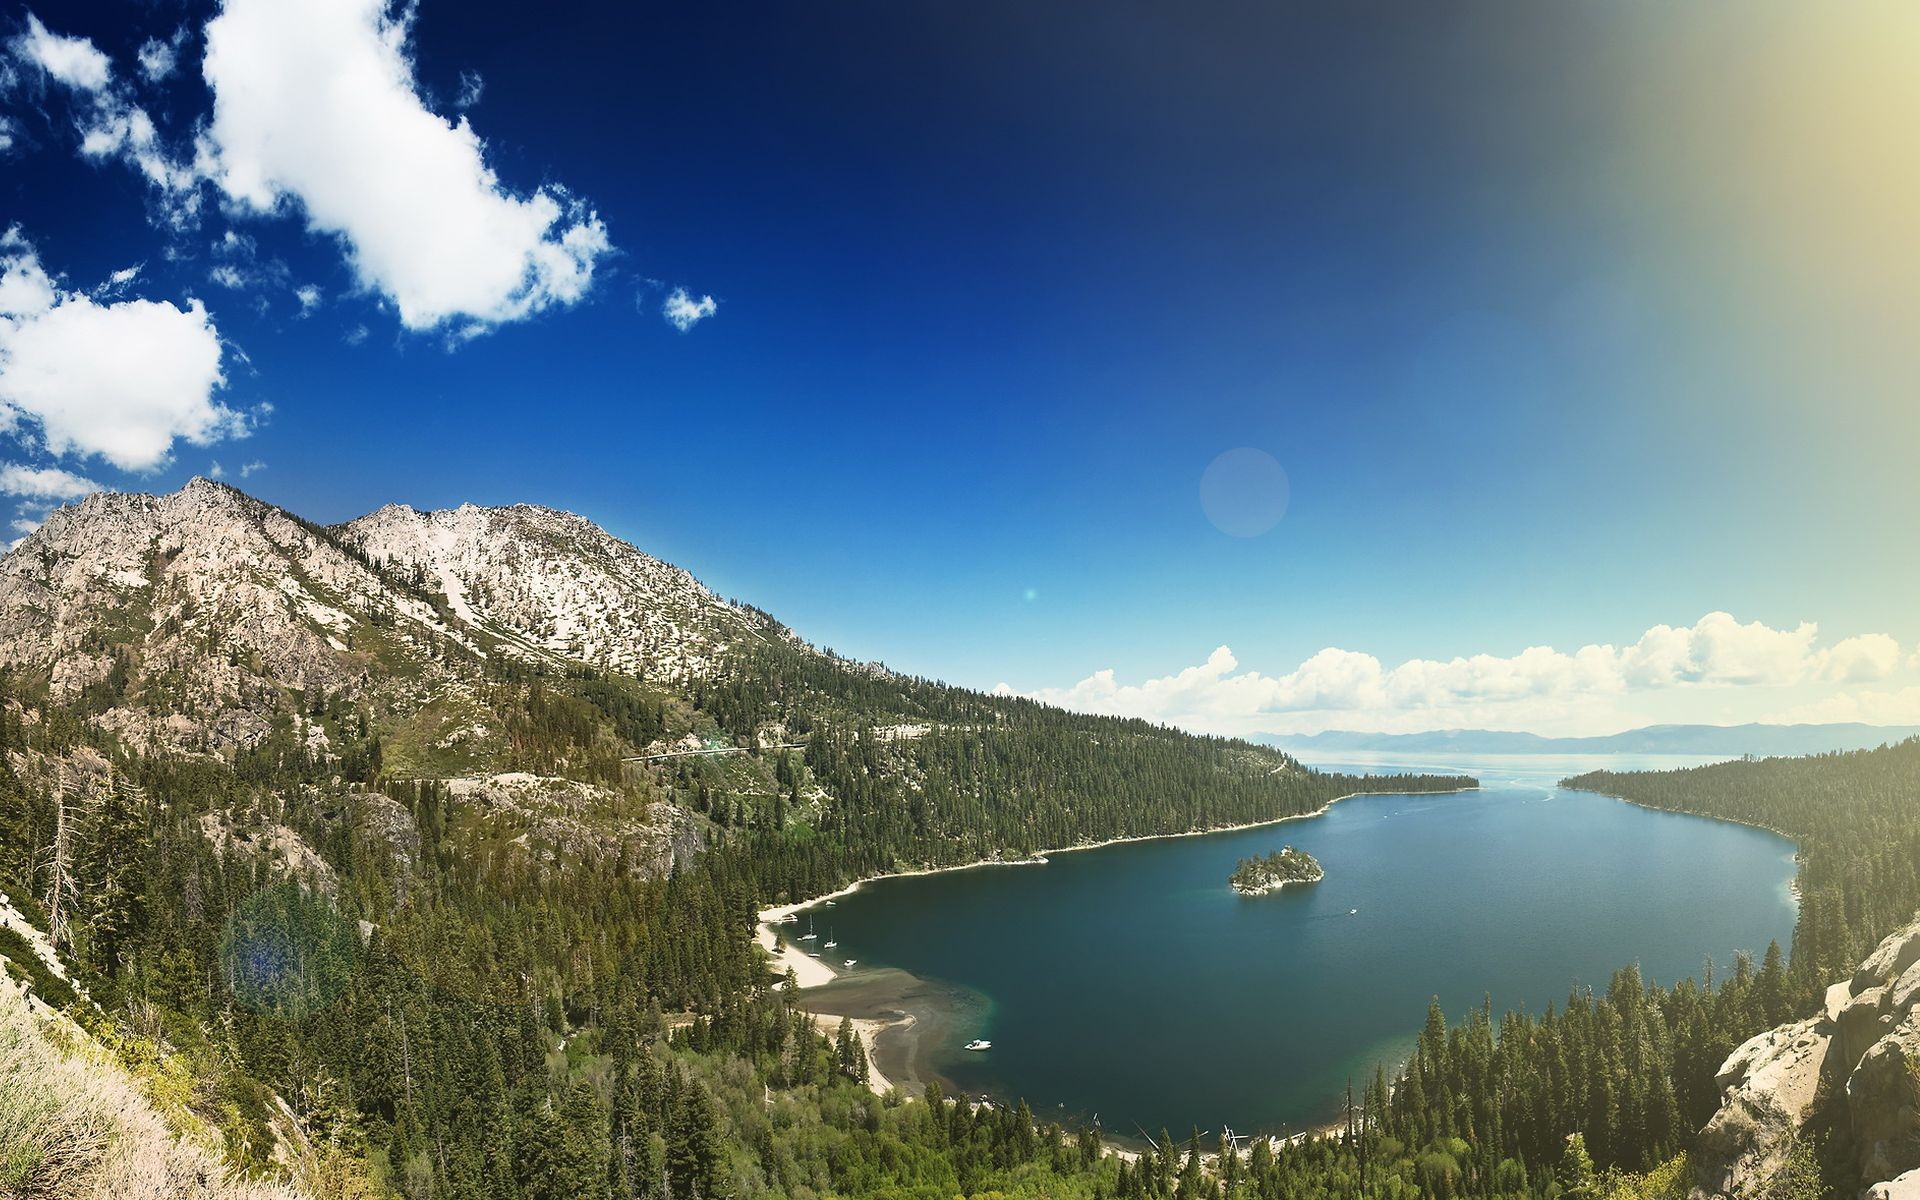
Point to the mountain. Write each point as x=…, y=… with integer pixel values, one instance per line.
x=420, y=855
x=555, y=584
x=1732, y=741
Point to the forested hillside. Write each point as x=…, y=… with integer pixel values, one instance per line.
x=1856, y=817
x=415, y=903
x=448, y=913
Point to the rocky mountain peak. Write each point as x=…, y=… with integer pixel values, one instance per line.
x=555, y=583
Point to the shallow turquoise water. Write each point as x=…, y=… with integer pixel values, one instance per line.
x=1130, y=982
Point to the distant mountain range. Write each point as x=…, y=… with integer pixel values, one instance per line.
x=1730, y=740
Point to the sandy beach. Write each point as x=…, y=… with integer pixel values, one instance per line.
x=903, y=1018
x=782, y=944
x=868, y=1030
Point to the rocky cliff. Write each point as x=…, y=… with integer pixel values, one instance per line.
x=1854, y=1069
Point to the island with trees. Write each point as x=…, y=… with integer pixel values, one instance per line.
x=1265, y=873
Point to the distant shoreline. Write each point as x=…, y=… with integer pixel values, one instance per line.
x=1799, y=862
x=811, y=972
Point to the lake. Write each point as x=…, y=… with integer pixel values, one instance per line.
x=1131, y=983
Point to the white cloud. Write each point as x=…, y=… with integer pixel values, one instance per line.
x=121, y=380
x=72, y=61
x=1718, y=649
x=111, y=124
x=316, y=105
x=49, y=483
x=1871, y=656
x=683, y=312
x=1356, y=690
x=158, y=58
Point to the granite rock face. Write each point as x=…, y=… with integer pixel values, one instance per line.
x=1864, y=1047
x=1769, y=1085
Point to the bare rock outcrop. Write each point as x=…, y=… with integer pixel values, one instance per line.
x=1864, y=1047
x=1770, y=1083
x=1907, y=1187
x=554, y=583
x=558, y=819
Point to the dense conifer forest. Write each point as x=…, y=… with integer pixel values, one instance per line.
x=1857, y=823
x=481, y=1013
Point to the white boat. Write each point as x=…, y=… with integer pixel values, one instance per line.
x=979, y=1044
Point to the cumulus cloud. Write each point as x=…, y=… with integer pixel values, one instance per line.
x=1863, y=659
x=44, y=483
x=121, y=380
x=316, y=108
x=1715, y=652
x=683, y=312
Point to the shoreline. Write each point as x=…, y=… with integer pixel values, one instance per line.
x=866, y=1030
x=1799, y=855
x=812, y=972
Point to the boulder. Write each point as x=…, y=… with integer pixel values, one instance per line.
x=1883, y=1103
x=1862, y=1023
x=1865, y=1047
x=1838, y=997
x=1770, y=1083
x=1889, y=960
x=1907, y=1187
x=1903, y=992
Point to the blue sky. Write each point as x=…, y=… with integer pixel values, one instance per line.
x=992, y=287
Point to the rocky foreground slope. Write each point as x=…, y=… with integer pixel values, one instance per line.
x=1853, y=1071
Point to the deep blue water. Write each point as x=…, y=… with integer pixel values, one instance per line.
x=1130, y=982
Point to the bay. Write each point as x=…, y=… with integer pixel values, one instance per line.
x=1129, y=982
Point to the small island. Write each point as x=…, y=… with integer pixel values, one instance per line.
x=1261, y=874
